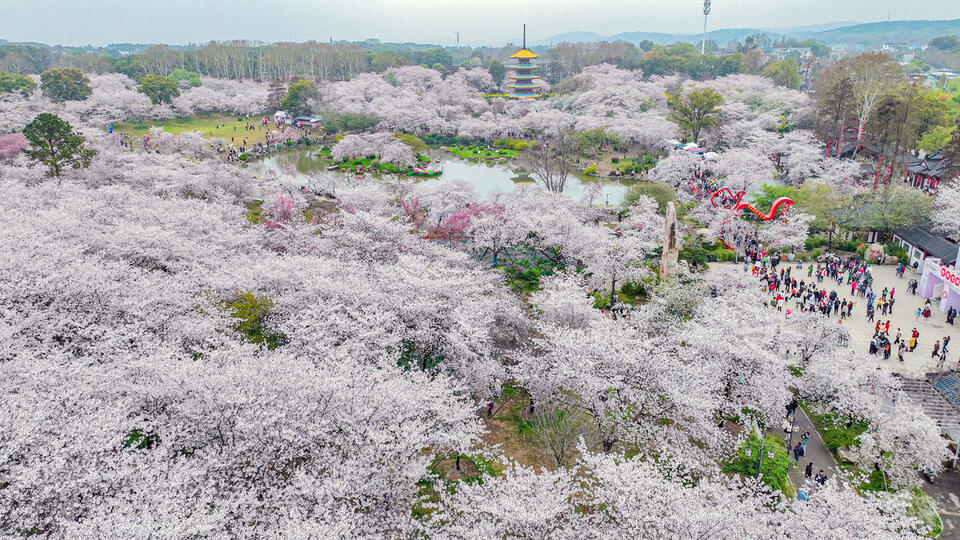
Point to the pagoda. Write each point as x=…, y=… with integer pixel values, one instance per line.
x=523, y=73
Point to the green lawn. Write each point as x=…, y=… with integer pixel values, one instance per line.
x=479, y=152
x=204, y=123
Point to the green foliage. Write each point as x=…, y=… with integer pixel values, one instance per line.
x=523, y=275
x=254, y=209
x=429, y=57
x=480, y=151
x=935, y=139
x=783, y=72
x=186, y=77
x=54, y=143
x=412, y=141
x=591, y=139
x=300, y=98
x=159, y=89
x=837, y=431
x=923, y=507
x=349, y=121
x=696, y=110
x=640, y=164
x=590, y=171
x=764, y=198
x=773, y=471
x=512, y=144
x=813, y=242
x=661, y=193
x=875, y=482
x=11, y=82
x=252, y=319
x=497, y=71
x=414, y=357
x=946, y=43
x=896, y=251
x=141, y=441
x=65, y=84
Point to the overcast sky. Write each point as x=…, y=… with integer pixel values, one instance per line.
x=99, y=22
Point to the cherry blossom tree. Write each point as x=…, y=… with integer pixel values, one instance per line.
x=11, y=145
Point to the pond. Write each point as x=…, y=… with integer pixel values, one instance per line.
x=485, y=179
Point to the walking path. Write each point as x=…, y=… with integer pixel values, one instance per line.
x=816, y=453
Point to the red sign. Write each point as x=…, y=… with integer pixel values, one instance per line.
x=949, y=277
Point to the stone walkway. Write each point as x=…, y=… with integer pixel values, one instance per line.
x=816, y=452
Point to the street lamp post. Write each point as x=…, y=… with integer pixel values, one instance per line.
x=759, y=447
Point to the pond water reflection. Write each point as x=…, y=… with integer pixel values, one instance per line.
x=486, y=179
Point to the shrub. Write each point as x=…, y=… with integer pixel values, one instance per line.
x=845, y=245
x=590, y=171
x=661, y=193
x=814, y=242
x=251, y=314
x=893, y=249
x=725, y=255
x=243, y=157
x=773, y=471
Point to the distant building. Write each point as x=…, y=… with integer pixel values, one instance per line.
x=782, y=53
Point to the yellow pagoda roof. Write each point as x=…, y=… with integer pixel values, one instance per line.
x=524, y=53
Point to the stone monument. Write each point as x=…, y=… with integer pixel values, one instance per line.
x=671, y=253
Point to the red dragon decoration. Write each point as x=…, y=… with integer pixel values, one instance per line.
x=739, y=205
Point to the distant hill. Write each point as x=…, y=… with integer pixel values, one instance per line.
x=914, y=33
x=872, y=34
x=812, y=27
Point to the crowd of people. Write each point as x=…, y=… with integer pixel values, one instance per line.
x=805, y=288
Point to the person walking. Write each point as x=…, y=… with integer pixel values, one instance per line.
x=946, y=341
x=919, y=313
x=926, y=314
x=804, y=439
x=900, y=351
x=821, y=477
x=808, y=471
x=899, y=336
x=797, y=453
x=936, y=349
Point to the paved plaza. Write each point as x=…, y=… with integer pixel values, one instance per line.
x=917, y=363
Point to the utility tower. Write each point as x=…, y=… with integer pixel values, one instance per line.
x=458, y=38
x=706, y=11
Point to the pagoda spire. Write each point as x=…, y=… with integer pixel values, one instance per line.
x=523, y=75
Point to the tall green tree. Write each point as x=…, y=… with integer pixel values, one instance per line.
x=299, y=96
x=185, y=77
x=696, y=110
x=784, y=73
x=11, y=82
x=951, y=152
x=497, y=71
x=54, y=143
x=159, y=89
x=65, y=84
